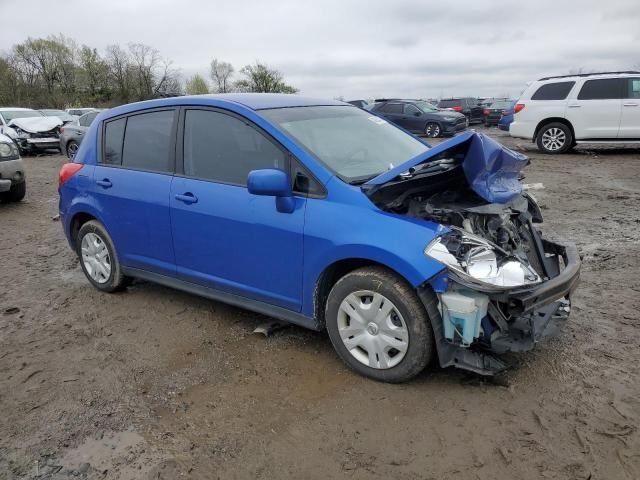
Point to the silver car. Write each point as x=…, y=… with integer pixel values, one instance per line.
x=13, y=184
x=71, y=134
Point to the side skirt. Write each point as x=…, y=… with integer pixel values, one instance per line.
x=230, y=298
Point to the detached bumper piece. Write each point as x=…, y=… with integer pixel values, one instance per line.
x=515, y=320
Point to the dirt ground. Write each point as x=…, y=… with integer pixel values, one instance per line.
x=154, y=383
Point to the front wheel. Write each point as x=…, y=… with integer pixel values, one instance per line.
x=378, y=326
x=72, y=149
x=17, y=192
x=98, y=257
x=432, y=130
x=554, y=137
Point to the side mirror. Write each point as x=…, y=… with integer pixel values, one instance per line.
x=417, y=114
x=273, y=183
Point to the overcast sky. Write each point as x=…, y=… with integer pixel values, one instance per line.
x=358, y=49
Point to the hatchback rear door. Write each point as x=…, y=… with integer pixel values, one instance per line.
x=225, y=237
x=131, y=185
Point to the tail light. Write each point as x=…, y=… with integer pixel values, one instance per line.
x=457, y=108
x=518, y=107
x=67, y=171
x=486, y=112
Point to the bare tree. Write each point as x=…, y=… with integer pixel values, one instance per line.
x=261, y=78
x=221, y=73
x=119, y=71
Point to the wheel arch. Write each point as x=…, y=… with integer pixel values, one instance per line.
x=334, y=272
x=544, y=122
x=77, y=220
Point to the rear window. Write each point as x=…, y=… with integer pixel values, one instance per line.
x=392, y=108
x=147, y=141
x=449, y=103
x=602, y=89
x=553, y=91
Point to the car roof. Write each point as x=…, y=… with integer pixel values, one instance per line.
x=18, y=109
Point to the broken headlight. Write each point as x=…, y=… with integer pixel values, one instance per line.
x=477, y=263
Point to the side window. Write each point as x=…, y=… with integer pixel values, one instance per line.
x=605, y=89
x=303, y=182
x=392, y=108
x=113, y=136
x=633, y=89
x=147, y=141
x=410, y=109
x=223, y=148
x=86, y=120
x=553, y=91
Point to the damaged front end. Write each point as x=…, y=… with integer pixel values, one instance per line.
x=504, y=287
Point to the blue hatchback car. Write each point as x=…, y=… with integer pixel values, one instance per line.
x=326, y=216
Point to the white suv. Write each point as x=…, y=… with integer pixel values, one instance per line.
x=559, y=112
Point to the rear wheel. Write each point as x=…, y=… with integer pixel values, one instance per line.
x=554, y=137
x=432, y=130
x=378, y=326
x=98, y=257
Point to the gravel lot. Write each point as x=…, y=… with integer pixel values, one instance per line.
x=154, y=383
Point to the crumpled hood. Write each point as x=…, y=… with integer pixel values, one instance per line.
x=491, y=169
x=36, y=124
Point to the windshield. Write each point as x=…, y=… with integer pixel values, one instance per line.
x=9, y=115
x=352, y=143
x=426, y=107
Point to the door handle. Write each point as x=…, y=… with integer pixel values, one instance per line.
x=187, y=198
x=575, y=106
x=630, y=104
x=105, y=183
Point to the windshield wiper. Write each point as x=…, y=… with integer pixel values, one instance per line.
x=361, y=180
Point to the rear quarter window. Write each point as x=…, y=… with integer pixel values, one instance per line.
x=602, y=89
x=553, y=91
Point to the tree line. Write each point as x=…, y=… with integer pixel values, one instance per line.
x=56, y=72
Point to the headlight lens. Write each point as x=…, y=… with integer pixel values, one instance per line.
x=475, y=261
x=8, y=150
x=449, y=119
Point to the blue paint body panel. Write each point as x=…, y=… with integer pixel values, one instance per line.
x=239, y=243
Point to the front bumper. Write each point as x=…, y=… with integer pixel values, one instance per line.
x=11, y=173
x=517, y=319
x=450, y=128
x=38, y=143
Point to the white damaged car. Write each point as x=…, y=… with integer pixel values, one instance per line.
x=30, y=130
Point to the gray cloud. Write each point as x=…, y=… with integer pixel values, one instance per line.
x=359, y=49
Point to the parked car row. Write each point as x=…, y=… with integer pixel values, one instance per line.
x=418, y=116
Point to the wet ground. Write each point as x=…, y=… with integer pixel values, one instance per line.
x=154, y=383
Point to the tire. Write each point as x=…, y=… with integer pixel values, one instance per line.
x=17, y=192
x=406, y=326
x=106, y=280
x=554, y=137
x=432, y=130
x=72, y=149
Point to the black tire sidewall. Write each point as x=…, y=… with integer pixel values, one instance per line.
x=17, y=192
x=568, y=138
x=115, y=281
x=403, y=296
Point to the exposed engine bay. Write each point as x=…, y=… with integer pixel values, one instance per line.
x=505, y=287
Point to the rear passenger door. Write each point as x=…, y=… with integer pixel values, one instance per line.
x=131, y=186
x=596, y=108
x=225, y=237
x=394, y=112
x=630, y=121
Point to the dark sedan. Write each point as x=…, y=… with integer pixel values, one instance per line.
x=421, y=117
x=493, y=112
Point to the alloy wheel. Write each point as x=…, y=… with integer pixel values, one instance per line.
x=372, y=329
x=432, y=130
x=95, y=258
x=553, y=139
x=72, y=149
